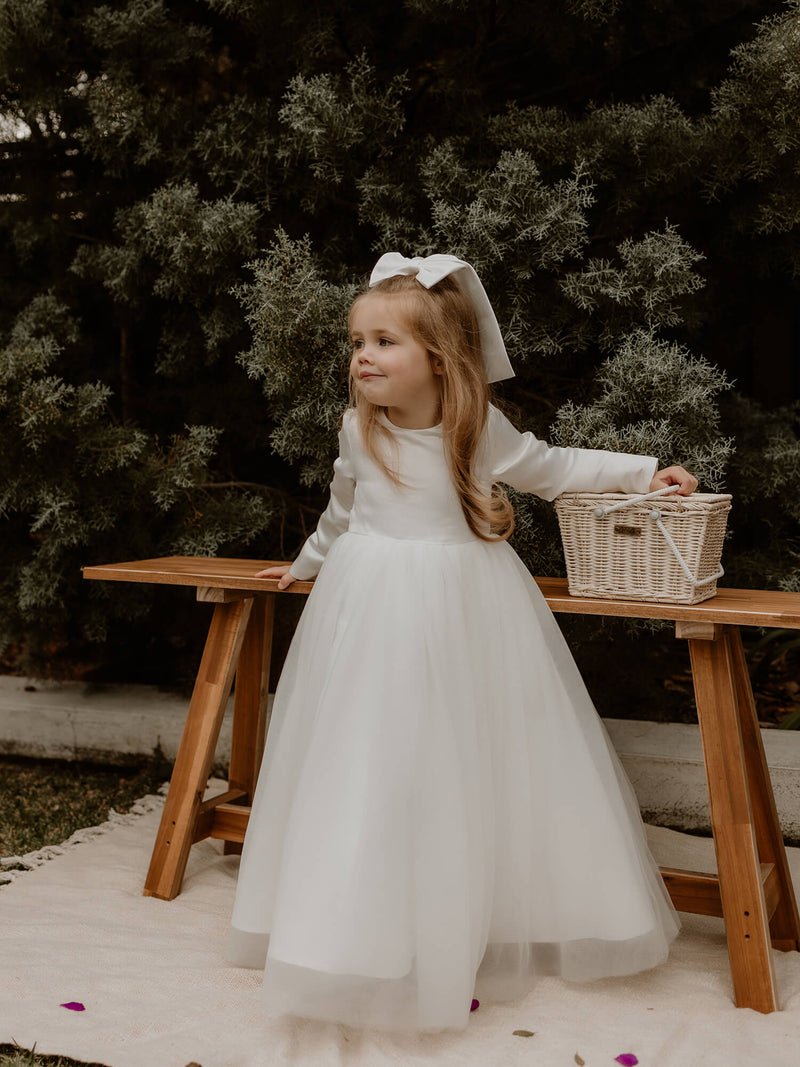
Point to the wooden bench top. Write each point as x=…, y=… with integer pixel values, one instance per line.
x=736, y=607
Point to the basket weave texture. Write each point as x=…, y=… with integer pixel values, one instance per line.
x=625, y=555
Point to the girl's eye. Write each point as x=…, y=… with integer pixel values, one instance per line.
x=358, y=344
x=384, y=341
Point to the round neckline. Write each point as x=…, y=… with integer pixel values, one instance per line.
x=384, y=418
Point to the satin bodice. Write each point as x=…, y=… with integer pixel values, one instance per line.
x=426, y=507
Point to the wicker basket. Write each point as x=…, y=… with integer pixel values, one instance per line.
x=627, y=547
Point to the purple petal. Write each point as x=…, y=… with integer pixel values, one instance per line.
x=627, y=1059
x=475, y=1005
x=73, y=1005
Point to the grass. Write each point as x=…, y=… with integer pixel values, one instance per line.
x=42, y=802
x=14, y=1056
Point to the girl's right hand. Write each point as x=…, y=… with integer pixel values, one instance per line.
x=282, y=573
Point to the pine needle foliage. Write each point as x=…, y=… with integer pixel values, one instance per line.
x=74, y=478
x=638, y=408
x=191, y=192
x=299, y=353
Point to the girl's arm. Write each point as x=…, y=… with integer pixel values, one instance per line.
x=333, y=521
x=532, y=466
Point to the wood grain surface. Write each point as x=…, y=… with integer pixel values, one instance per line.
x=734, y=607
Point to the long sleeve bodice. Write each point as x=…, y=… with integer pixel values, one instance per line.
x=336, y=516
x=526, y=463
x=426, y=507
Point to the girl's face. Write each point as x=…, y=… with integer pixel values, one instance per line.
x=390, y=367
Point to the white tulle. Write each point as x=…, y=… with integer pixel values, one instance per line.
x=439, y=813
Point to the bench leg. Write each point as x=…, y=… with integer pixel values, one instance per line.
x=197, y=747
x=741, y=891
x=785, y=922
x=250, y=704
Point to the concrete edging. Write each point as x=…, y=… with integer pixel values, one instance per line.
x=119, y=724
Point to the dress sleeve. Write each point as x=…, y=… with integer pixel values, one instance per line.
x=336, y=517
x=532, y=466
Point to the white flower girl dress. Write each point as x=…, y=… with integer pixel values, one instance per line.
x=440, y=814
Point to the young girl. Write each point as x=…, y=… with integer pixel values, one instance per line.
x=439, y=813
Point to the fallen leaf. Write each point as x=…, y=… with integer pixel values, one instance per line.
x=524, y=1033
x=627, y=1059
x=675, y=687
x=475, y=1005
x=579, y=1060
x=73, y=1005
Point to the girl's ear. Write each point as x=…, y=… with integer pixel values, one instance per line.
x=437, y=365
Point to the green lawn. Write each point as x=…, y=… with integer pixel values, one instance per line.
x=13, y=1056
x=42, y=802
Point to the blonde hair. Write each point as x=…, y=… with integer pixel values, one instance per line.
x=443, y=321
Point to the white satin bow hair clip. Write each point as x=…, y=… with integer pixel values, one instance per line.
x=431, y=269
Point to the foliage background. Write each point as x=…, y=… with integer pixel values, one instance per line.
x=192, y=190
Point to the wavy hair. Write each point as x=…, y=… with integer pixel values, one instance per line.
x=443, y=321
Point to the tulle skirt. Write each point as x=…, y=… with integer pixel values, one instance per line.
x=439, y=814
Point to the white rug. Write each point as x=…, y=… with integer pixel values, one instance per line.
x=157, y=991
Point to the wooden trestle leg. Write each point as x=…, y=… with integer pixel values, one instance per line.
x=178, y=828
x=737, y=776
x=250, y=705
x=784, y=923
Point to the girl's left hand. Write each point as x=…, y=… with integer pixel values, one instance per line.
x=674, y=476
x=282, y=573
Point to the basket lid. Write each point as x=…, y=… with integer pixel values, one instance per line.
x=696, y=501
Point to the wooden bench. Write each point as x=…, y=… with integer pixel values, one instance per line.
x=753, y=890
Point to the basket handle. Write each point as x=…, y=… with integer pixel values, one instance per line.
x=600, y=513
x=655, y=516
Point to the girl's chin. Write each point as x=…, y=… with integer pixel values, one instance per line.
x=370, y=387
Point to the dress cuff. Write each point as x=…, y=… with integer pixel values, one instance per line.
x=305, y=568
